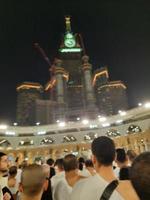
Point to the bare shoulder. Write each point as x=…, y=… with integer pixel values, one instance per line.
x=126, y=190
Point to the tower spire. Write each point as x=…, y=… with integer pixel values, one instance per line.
x=68, y=24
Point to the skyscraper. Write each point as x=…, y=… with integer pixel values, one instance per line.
x=73, y=91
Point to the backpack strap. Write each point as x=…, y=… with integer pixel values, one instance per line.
x=109, y=190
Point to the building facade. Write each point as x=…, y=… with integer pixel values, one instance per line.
x=73, y=91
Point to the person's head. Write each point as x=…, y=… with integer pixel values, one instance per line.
x=59, y=165
x=121, y=157
x=32, y=181
x=89, y=163
x=103, y=150
x=50, y=162
x=3, y=162
x=140, y=175
x=81, y=163
x=12, y=171
x=131, y=155
x=70, y=162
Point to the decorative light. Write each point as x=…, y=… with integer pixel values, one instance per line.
x=119, y=121
x=123, y=113
x=3, y=126
x=147, y=105
x=66, y=50
x=41, y=132
x=105, y=125
x=102, y=119
x=62, y=124
x=15, y=123
x=85, y=121
x=10, y=133
x=93, y=126
x=78, y=118
x=58, y=121
x=37, y=123
x=139, y=104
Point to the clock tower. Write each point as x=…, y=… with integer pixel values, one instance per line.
x=70, y=53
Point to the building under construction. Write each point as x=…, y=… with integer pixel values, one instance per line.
x=74, y=91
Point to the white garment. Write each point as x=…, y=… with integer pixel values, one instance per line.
x=55, y=180
x=84, y=173
x=62, y=190
x=3, y=183
x=117, y=171
x=92, y=189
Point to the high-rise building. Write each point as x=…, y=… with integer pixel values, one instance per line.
x=28, y=93
x=72, y=91
x=111, y=95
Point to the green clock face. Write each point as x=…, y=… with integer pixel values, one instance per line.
x=70, y=42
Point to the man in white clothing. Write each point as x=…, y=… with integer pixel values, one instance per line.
x=60, y=175
x=103, y=150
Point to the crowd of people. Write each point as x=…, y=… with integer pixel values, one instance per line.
x=110, y=174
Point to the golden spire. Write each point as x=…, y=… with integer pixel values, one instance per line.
x=68, y=24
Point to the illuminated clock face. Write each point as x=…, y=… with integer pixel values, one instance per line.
x=70, y=42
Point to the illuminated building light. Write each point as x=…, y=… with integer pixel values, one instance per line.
x=22, y=142
x=85, y=121
x=31, y=142
x=3, y=126
x=66, y=76
x=37, y=123
x=10, y=133
x=139, y=104
x=41, y=132
x=114, y=85
x=2, y=141
x=92, y=126
x=105, y=125
x=66, y=50
x=78, y=118
x=99, y=74
x=102, y=119
x=61, y=124
x=147, y=105
x=28, y=85
x=15, y=123
x=50, y=84
x=122, y=113
x=119, y=121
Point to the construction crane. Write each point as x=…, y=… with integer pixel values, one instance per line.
x=42, y=52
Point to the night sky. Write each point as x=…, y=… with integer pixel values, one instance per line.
x=115, y=33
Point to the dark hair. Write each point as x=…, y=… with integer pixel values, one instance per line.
x=81, y=159
x=59, y=163
x=89, y=163
x=121, y=155
x=140, y=175
x=13, y=171
x=50, y=161
x=2, y=154
x=103, y=148
x=131, y=154
x=70, y=162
